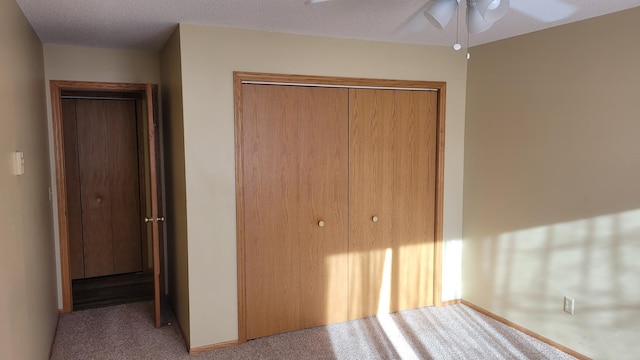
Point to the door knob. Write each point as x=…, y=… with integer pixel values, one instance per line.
x=98, y=199
x=374, y=218
x=321, y=223
x=161, y=218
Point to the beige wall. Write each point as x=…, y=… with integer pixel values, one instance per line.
x=64, y=62
x=175, y=199
x=551, y=190
x=28, y=307
x=209, y=56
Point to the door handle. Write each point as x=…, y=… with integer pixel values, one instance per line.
x=161, y=218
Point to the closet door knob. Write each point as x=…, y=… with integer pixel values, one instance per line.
x=98, y=199
x=321, y=223
x=374, y=219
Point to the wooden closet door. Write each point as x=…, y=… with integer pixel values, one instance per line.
x=93, y=160
x=294, y=147
x=391, y=200
x=109, y=189
x=371, y=115
x=413, y=202
x=72, y=178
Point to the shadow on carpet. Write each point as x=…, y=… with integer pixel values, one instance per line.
x=451, y=332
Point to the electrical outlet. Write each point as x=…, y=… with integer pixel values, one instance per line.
x=569, y=305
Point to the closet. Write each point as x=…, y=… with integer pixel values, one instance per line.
x=337, y=200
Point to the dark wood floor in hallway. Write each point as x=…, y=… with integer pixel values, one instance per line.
x=111, y=290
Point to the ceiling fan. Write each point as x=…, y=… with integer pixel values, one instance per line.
x=482, y=14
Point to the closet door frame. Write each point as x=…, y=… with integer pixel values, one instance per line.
x=240, y=78
x=143, y=92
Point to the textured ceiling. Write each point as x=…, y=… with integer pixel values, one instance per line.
x=146, y=24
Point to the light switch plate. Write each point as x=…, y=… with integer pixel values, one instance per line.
x=18, y=163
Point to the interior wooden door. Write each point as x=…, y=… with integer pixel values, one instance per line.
x=156, y=219
x=294, y=147
x=391, y=199
x=108, y=186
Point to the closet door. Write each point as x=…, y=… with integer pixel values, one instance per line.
x=74, y=205
x=370, y=195
x=413, y=203
x=391, y=200
x=294, y=147
x=108, y=187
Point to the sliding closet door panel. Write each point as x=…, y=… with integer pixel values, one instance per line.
x=413, y=206
x=125, y=187
x=93, y=159
x=294, y=183
x=272, y=218
x=323, y=184
x=391, y=200
x=74, y=208
x=370, y=198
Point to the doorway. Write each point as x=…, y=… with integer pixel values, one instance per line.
x=106, y=151
x=104, y=148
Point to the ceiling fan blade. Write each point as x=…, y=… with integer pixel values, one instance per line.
x=544, y=10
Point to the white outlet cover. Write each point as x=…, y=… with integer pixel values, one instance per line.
x=569, y=305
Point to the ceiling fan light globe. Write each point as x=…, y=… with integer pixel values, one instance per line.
x=492, y=10
x=440, y=12
x=475, y=21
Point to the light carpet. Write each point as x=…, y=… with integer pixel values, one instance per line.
x=451, y=332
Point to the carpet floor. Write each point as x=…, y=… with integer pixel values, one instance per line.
x=452, y=332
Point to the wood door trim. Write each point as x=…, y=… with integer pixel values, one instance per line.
x=240, y=77
x=56, y=88
x=240, y=246
x=438, y=235
x=338, y=81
